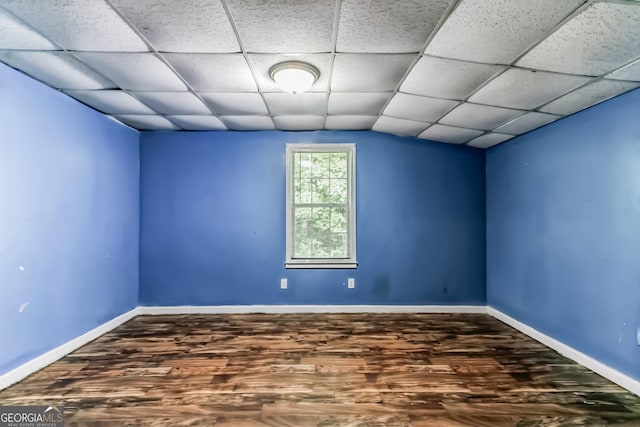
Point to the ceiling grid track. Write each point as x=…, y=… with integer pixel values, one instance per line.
x=246, y=58
x=334, y=42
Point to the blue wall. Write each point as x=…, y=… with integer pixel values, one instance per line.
x=68, y=217
x=213, y=222
x=563, y=231
x=562, y=223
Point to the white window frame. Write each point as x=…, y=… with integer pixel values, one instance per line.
x=351, y=260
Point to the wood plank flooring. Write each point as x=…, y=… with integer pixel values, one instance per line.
x=303, y=370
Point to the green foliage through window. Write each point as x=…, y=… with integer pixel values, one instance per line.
x=320, y=204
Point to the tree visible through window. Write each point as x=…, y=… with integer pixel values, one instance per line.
x=320, y=211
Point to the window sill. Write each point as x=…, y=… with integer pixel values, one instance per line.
x=320, y=265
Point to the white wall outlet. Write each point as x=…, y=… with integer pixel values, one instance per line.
x=351, y=283
x=638, y=335
x=283, y=283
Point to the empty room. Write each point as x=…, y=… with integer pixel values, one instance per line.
x=320, y=213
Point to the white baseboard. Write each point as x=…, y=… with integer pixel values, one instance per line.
x=598, y=367
x=57, y=353
x=51, y=356
x=243, y=309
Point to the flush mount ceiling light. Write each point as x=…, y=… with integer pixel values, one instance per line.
x=294, y=76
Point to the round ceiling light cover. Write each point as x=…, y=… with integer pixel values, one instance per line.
x=294, y=76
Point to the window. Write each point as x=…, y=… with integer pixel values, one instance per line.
x=321, y=213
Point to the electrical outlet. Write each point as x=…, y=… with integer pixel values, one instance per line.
x=638, y=335
x=283, y=283
x=351, y=283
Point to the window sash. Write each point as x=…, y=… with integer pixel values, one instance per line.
x=345, y=233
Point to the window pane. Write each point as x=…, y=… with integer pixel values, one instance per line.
x=302, y=190
x=321, y=226
x=321, y=191
x=305, y=165
x=301, y=225
x=339, y=246
x=321, y=165
x=297, y=188
x=338, y=191
x=339, y=220
x=339, y=165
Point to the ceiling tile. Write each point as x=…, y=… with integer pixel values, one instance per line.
x=497, y=31
x=526, y=89
x=600, y=39
x=387, y=26
x=299, y=122
x=450, y=134
x=447, y=78
x=248, y=122
x=197, y=122
x=527, y=122
x=111, y=101
x=176, y=103
x=292, y=26
x=16, y=35
x=78, y=24
x=214, y=73
x=191, y=26
x=301, y=103
x=419, y=108
x=476, y=116
x=58, y=69
x=349, y=122
x=587, y=96
x=369, y=72
x=134, y=71
x=358, y=103
x=399, y=126
x=630, y=72
x=262, y=63
x=142, y=122
x=489, y=140
x=235, y=103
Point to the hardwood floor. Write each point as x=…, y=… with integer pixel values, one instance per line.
x=303, y=370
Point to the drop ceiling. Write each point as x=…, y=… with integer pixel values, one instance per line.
x=474, y=72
